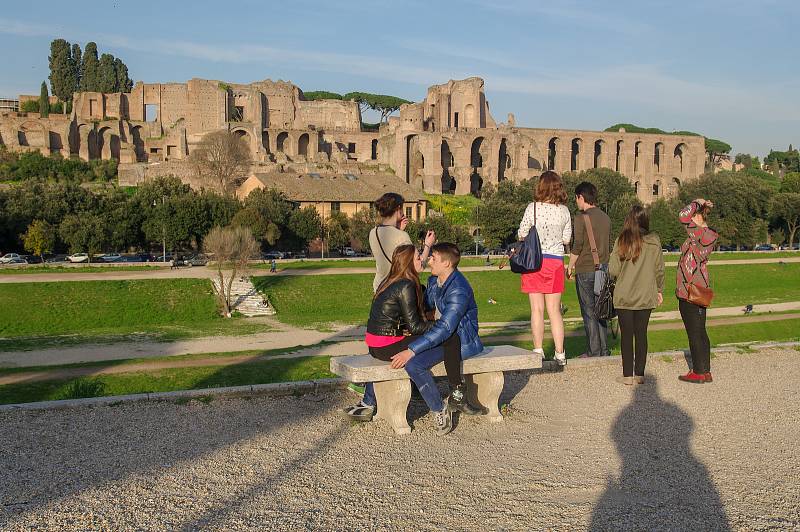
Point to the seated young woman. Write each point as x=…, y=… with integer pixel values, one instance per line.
x=396, y=319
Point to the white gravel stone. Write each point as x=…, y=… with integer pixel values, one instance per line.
x=577, y=451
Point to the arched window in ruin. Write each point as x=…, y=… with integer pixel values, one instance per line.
x=115, y=145
x=475, y=184
x=102, y=141
x=302, y=145
x=533, y=162
x=56, y=144
x=636, y=150
x=657, y=150
x=411, y=147
x=265, y=140
x=476, y=158
x=22, y=137
x=469, y=116
x=281, y=141
x=552, y=148
x=680, y=151
x=674, y=185
x=599, y=147
x=636, y=187
x=138, y=143
x=618, y=156
x=657, y=188
x=575, y=154
x=448, y=183
x=503, y=161
x=374, y=150
x=447, y=155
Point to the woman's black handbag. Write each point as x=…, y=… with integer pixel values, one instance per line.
x=604, y=303
x=528, y=256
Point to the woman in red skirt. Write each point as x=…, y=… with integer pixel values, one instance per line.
x=554, y=224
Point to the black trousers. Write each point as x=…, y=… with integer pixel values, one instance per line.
x=694, y=320
x=633, y=327
x=452, y=356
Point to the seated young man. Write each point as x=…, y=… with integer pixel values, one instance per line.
x=450, y=295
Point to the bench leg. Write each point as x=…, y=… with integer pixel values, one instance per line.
x=393, y=398
x=484, y=389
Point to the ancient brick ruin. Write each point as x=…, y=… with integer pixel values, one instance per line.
x=449, y=142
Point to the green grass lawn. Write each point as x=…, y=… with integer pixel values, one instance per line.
x=315, y=300
x=670, y=340
x=166, y=380
x=34, y=315
x=75, y=269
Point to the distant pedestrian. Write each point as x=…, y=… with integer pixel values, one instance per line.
x=273, y=266
x=553, y=222
x=694, y=287
x=588, y=262
x=637, y=263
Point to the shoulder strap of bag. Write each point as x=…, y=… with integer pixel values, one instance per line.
x=378, y=238
x=592, y=243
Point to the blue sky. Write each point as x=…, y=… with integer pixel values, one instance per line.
x=726, y=69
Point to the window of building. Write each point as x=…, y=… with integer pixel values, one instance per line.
x=238, y=113
x=336, y=206
x=408, y=212
x=351, y=147
x=172, y=150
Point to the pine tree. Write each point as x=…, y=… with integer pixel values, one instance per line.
x=62, y=70
x=106, y=75
x=77, y=65
x=90, y=68
x=44, y=101
x=124, y=83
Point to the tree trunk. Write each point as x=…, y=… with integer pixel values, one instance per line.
x=792, y=231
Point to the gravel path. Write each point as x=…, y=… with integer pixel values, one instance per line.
x=202, y=273
x=578, y=451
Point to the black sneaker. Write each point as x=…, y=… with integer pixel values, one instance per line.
x=443, y=421
x=458, y=401
x=360, y=412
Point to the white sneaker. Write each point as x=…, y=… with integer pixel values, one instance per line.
x=561, y=359
x=538, y=353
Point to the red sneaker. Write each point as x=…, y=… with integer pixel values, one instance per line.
x=693, y=377
x=707, y=377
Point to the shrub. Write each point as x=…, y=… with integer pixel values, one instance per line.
x=83, y=387
x=30, y=106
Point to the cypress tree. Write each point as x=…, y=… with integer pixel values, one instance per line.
x=124, y=83
x=77, y=64
x=106, y=75
x=62, y=70
x=44, y=101
x=90, y=68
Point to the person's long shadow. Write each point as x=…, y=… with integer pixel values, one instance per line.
x=662, y=485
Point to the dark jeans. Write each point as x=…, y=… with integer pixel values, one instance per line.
x=596, y=330
x=633, y=326
x=694, y=320
x=418, y=368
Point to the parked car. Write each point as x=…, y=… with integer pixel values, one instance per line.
x=348, y=252
x=8, y=257
x=132, y=258
x=51, y=259
x=195, y=260
x=763, y=247
x=269, y=255
x=32, y=259
x=109, y=257
x=727, y=248
x=78, y=257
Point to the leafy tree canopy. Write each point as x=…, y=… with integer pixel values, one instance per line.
x=321, y=95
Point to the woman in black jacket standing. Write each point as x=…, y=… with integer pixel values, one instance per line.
x=396, y=319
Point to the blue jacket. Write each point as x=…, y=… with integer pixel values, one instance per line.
x=456, y=303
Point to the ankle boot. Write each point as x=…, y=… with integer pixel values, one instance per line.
x=458, y=401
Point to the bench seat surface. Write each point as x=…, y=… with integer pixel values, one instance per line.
x=364, y=368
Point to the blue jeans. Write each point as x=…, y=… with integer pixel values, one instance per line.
x=419, y=371
x=596, y=330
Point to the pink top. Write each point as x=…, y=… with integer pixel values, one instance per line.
x=695, y=250
x=373, y=340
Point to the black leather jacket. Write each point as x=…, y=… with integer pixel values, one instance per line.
x=395, y=312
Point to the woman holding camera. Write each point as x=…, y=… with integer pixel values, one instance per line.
x=694, y=287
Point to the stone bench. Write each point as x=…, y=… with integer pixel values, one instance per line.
x=483, y=378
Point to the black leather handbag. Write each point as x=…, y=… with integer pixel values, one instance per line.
x=604, y=302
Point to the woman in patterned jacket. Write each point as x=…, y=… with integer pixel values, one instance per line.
x=692, y=270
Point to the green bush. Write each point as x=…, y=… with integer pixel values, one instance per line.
x=83, y=387
x=31, y=106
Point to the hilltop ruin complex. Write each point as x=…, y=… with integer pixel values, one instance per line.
x=447, y=143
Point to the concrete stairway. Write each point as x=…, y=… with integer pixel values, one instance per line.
x=246, y=299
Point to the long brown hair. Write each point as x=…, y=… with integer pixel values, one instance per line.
x=403, y=268
x=637, y=224
x=550, y=189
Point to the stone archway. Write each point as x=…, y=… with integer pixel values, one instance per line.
x=575, y=154
x=552, y=153
x=447, y=160
x=265, y=141
x=302, y=145
x=658, y=152
x=679, y=156
x=281, y=143
x=599, y=153
x=503, y=161
x=138, y=143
